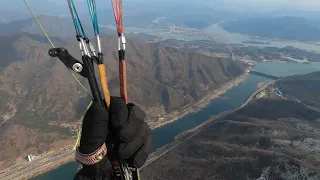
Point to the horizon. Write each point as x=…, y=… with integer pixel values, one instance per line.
x=244, y=6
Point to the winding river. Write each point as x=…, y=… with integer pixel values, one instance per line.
x=230, y=100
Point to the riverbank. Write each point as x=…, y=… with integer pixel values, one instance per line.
x=186, y=135
x=54, y=162
x=229, y=101
x=47, y=167
x=276, y=39
x=197, y=106
x=36, y=167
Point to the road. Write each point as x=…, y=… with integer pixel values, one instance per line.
x=23, y=171
x=153, y=157
x=254, y=94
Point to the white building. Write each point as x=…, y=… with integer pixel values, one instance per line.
x=31, y=157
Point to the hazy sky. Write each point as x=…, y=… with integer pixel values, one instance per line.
x=304, y=4
x=245, y=6
x=314, y=4
x=310, y=3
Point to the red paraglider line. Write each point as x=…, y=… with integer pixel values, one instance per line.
x=117, y=10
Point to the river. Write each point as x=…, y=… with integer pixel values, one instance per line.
x=230, y=100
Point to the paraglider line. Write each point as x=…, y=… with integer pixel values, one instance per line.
x=45, y=33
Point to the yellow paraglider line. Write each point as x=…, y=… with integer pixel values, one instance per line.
x=78, y=139
x=45, y=33
x=79, y=131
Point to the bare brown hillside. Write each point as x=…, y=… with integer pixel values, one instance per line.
x=271, y=138
x=40, y=98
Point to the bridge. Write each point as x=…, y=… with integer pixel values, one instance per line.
x=269, y=76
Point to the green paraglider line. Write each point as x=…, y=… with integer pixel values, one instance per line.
x=35, y=17
x=45, y=33
x=120, y=168
x=79, y=131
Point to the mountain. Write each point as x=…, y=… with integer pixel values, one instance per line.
x=55, y=26
x=285, y=27
x=304, y=88
x=9, y=16
x=41, y=103
x=160, y=14
x=135, y=13
x=47, y=6
x=273, y=53
x=274, y=137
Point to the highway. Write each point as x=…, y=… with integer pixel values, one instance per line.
x=28, y=169
x=254, y=94
x=154, y=157
x=23, y=171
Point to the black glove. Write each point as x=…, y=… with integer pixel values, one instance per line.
x=134, y=138
x=131, y=136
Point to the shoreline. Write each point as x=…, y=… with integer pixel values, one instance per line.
x=25, y=170
x=315, y=43
x=186, y=135
x=277, y=39
x=47, y=167
x=217, y=117
x=197, y=106
x=173, y=116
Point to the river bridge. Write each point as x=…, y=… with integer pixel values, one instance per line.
x=269, y=76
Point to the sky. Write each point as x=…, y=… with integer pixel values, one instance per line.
x=303, y=4
x=278, y=2
x=241, y=6
x=240, y=3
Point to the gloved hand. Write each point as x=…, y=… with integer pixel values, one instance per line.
x=132, y=137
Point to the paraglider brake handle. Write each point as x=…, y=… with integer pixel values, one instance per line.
x=69, y=61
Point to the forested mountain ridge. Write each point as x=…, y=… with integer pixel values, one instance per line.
x=41, y=103
x=274, y=137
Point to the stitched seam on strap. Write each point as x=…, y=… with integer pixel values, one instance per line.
x=92, y=158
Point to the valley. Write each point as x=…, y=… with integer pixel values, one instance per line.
x=154, y=70
x=189, y=72
x=248, y=143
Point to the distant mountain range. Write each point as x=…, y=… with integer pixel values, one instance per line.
x=290, y=28
x=7, y=16
x=135, y=13
x=55, y=26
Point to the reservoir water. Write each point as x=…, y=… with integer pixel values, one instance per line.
x=231, y=38
x=229, y=101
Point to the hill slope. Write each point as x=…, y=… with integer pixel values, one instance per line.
x=56, y=27
x=41, y=102
x=291, y=28
x=270, y=138
x=305, y=88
